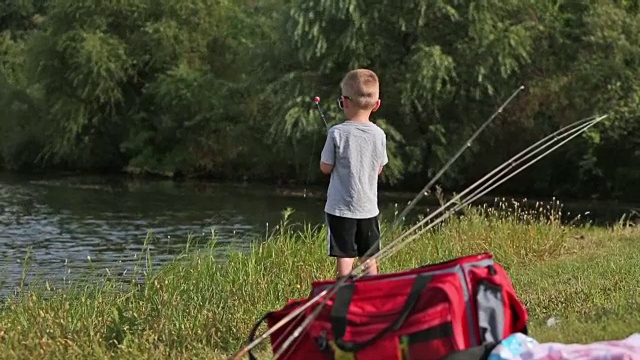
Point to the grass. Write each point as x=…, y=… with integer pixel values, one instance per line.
x=202, y=306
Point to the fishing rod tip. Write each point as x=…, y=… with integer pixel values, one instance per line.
x=316, y=99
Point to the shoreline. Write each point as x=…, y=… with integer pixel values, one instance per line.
x=316, y=192
x=292, y=189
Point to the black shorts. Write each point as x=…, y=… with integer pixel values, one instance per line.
x=351, y=238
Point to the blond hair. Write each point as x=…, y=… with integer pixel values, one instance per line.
x=362, y=87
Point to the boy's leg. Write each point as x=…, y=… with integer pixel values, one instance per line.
x=367, y=237
x=344, y=266
x=341, y=243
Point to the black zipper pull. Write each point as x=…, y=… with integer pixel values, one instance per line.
x=492, y=270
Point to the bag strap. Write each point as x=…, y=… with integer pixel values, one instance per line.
x=341, y=308
x=252, y=333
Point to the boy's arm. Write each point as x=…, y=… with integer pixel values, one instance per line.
x=327, y=158
x=385, y=158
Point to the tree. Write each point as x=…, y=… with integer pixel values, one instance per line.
x=224, y=88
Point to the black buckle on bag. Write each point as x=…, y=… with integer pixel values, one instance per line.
x=492, y=270
x=321, y=341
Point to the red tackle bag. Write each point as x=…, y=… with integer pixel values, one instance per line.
x=425, y=313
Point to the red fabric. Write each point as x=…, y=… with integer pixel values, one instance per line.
x=303, y=345
x=441, y=321
x=376, y=304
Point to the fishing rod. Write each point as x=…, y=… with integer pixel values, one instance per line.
x=446, y=166
x=478, y=193
x=395, y=244
x=316, y=100
x=583, y=123
x=339, y=283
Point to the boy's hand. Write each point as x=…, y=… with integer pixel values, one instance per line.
x=380, y=170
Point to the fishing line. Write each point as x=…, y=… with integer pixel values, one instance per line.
x=290, y=317
x=396, y=243
x=316, y=100
x=313, y=147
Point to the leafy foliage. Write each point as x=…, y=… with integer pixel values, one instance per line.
x=223, y=88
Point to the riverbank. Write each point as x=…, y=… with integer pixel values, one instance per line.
x=201, y=306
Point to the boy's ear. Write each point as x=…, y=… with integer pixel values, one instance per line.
x=377, y=105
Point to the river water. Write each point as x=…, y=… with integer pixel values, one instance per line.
x=62, y=226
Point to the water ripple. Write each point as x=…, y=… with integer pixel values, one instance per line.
x=67, y=226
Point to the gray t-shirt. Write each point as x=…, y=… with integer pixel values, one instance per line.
x=357, y=150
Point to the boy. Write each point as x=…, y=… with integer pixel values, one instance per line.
x=354, y=154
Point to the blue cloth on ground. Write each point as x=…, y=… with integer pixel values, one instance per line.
x=512, y=346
